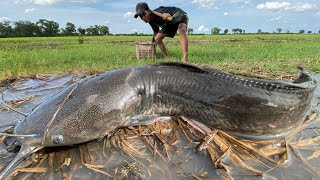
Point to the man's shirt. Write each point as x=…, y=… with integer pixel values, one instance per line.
x=158, y=21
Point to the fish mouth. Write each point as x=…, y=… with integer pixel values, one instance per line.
x=29, y=145
x=25, y=151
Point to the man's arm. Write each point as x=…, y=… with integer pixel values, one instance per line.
x=173, y=19
x=155, y=29
x=164, y=16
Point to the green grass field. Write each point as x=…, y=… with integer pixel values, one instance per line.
x=265, y=55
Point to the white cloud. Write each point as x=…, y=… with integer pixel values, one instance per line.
x=202, y=28
x=275, y=19
x=209, y=4
x=128, y=15
x=238, y=1
x=225, y=13
x=129, y=21
x=4, y=18
x=205, y=3
x=273, y=5
x=47, y=2
x=286, y=6
x=304, y=7
x=22, y=1
x=29, y=10
x=106, y=22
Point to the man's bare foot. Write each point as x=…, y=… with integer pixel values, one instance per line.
x=185, y=60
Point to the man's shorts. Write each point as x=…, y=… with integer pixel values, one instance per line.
x=170, y=29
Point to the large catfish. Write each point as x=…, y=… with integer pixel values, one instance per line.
x=92, y=108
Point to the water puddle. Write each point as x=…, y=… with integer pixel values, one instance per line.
x=163, y=150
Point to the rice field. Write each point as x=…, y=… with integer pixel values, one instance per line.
x=255, y=54
x=172, y=149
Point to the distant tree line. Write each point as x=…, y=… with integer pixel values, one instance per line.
x=217, y=30
x=47, y=28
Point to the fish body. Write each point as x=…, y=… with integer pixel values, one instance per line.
x=92, y=108
x=246, y=107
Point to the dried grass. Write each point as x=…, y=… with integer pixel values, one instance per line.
x=161, y=140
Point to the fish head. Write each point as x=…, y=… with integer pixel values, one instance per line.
x=84, y=111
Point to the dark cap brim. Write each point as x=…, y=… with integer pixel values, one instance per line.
x=138, y=13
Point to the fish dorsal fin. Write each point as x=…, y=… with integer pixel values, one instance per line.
x=182, y=66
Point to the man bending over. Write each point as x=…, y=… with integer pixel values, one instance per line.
x=169, y=19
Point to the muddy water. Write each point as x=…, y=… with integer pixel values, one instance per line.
x=168, y=150
x=26, y=94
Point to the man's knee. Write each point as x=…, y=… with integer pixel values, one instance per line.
x=158, y=39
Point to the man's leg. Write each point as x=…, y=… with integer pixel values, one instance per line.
x=182, y=28
x=158, y=39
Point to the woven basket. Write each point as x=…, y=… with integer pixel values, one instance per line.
x=145, y=49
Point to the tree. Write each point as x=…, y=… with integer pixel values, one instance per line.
x=301, y=31
x=237, y=30
x=6, y=29
x=259, y=31
x=92, y=30
x=190, y=31
x=215, y=30
x=287, y=30
x=279, y=30
x=25, y=29
x=48, y=28
x=309, y=32
x=104, y=30
x=225, y=31
x=97, y=30
x=81, y=31
x=70, y=29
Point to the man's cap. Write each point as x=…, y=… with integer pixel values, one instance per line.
x=140, y=8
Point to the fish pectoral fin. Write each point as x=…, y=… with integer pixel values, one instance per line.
x=147, y=119
x=203, y=129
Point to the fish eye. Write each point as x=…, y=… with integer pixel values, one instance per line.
x=57, y=139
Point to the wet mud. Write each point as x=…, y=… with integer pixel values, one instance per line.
x=163, y=150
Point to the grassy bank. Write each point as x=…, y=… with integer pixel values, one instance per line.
x=244, y=54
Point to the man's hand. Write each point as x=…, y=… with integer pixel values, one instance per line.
x=153, y=38
x=166, y=16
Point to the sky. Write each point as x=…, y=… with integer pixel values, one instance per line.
x=250, y=15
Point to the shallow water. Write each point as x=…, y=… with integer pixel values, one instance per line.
x=168, y=150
